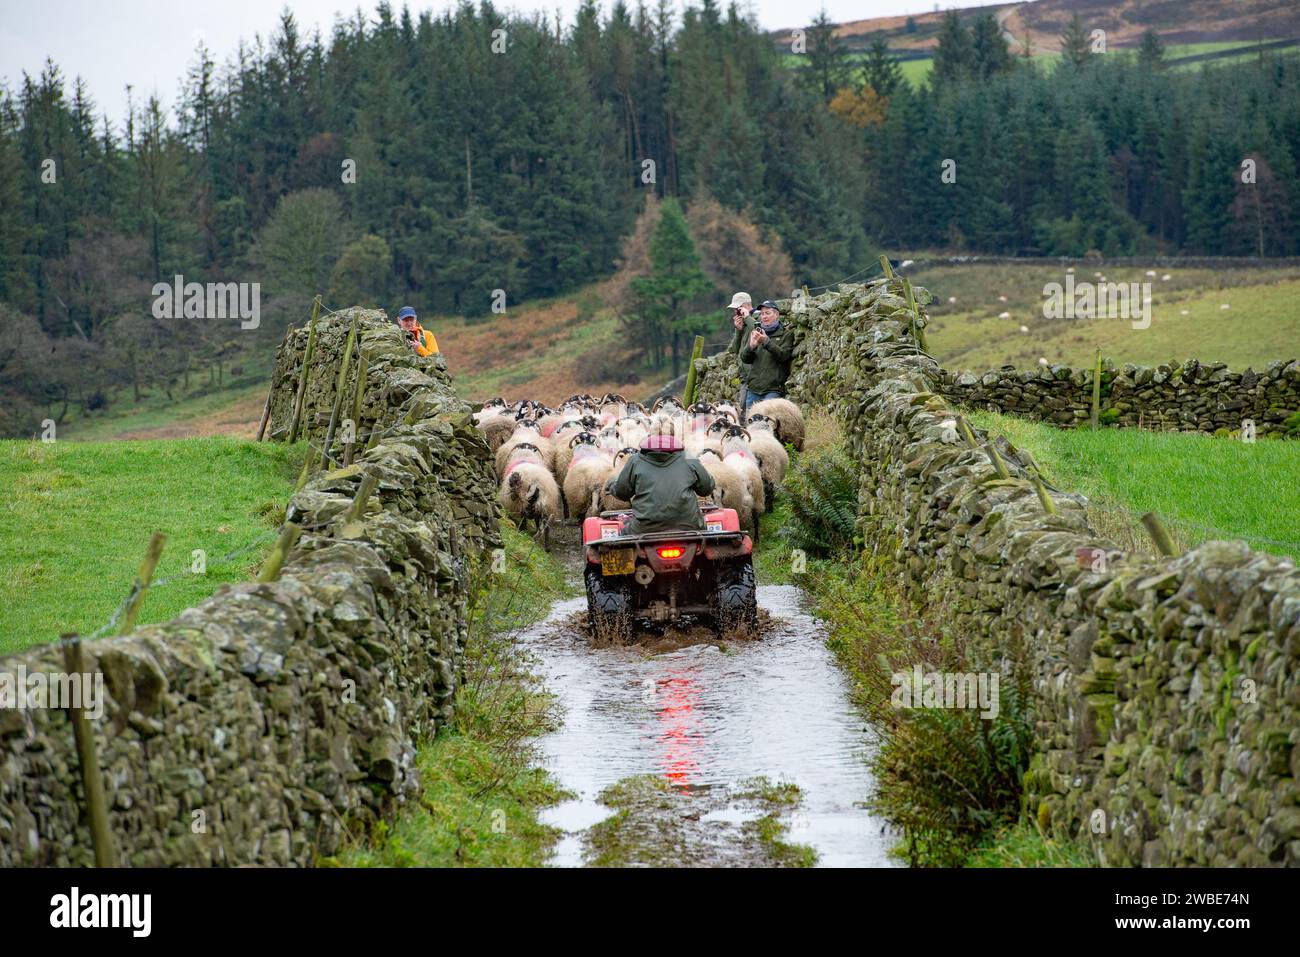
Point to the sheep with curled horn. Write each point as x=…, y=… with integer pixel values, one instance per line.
x=608, y=503
x=565, y=445
x=730, y=490
x=773, y=459
x=529, y=493
x=496, y=422
x=787, y=417
x=633, y=429
x=737, y=453
x=710, y=438
x=591, y=467
x=526, y=430
x=612, y=408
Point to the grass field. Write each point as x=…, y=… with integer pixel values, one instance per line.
x=76, y=517
x=1201, y=487
x=1188, y=318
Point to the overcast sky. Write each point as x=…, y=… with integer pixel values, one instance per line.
x=149, y=44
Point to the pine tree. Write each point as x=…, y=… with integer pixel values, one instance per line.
x=954, y=57
x=1076, y=45
x=989, y=47
x=1151, y=52
x=881, y=71
x=669, y=298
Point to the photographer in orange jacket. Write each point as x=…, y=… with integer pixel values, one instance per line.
x=418, y=338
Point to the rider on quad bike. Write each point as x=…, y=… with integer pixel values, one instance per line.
x=662, y=485
x=668, y=555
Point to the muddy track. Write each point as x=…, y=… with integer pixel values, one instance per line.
x=682, y=750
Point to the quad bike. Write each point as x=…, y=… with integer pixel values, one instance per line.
x=661, y=576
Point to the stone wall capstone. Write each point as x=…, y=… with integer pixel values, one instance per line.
x=1165, y=691
x=269, y=721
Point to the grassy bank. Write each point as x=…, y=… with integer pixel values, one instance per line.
x=1201, y=487
x=482, y=790
x=76, y=518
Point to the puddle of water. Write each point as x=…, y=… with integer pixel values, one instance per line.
x=702, y=716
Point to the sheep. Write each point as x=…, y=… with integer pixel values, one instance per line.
x=489, y=409
x=737, y=453
x=529, y=494
x=571, y=449
x=608, y=503
x=787, y=418
x=633, y=429
x=612, y=408
x=497, y=424
x=729, y=488
x=773, y=459
x=591, y=469
x=526, y=430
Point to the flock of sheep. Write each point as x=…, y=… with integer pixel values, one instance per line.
x=554, y=463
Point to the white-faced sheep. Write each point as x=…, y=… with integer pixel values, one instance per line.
x=529, y=494
x=788, y=420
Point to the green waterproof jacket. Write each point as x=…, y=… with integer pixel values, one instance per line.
x=769, y=364
x=662, y=488
x=738, y=341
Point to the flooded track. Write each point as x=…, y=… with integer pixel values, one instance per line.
x=699, y=721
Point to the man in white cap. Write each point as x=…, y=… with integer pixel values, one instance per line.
x=742, y=308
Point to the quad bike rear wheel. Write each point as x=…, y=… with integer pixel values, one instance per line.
x=609, y=607
x=735, y=600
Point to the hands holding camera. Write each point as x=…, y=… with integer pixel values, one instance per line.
x=757, y=337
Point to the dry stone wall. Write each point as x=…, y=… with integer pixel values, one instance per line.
x=264, y=724
x=1165, y=691
x=1184, y=397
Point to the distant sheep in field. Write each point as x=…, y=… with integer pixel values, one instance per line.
x=789, y=424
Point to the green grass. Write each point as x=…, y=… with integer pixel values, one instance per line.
x=76, y=518
x=1020, y=845
x=157, y=410
x=1192, y=482
x=1261, y=323
x=482, y=789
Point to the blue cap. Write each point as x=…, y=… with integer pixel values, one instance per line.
x=406, y=313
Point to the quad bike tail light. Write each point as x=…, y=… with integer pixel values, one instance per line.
x=670, y=551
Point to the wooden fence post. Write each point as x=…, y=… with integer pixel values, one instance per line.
x=697, y=352
x=142, y=580
x=363, y=371
x=92, y=781
x=283, y=546
x=302, y=379
x=338, y=388
x=887, y=269
x=1160, y=535
x=1096, y=392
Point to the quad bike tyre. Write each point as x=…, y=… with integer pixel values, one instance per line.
x=735, y=600
x=609, y=608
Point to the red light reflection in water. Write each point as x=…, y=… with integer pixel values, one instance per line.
x=679, y=728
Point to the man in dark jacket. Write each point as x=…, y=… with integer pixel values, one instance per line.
x=662, y=486
x=767, y=351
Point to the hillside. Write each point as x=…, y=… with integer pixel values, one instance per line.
x=1185, y=22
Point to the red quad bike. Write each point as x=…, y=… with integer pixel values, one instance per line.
x=661, y=576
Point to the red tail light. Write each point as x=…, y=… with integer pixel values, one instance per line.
x=670, y=551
